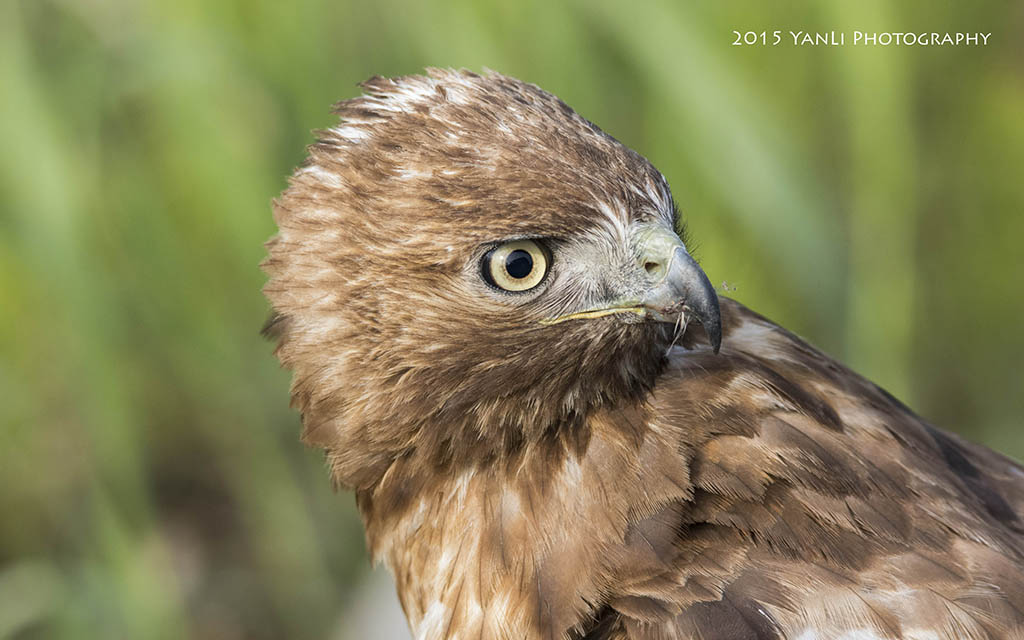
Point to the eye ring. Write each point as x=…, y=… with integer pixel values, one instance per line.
x=516, y=266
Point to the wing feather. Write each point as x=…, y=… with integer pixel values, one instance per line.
x=820, y=507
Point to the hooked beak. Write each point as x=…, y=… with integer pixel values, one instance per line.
x=685, y=288
x=678, y=287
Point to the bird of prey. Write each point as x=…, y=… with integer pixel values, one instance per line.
x=555, y=429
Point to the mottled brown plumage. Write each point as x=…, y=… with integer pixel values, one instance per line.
x=530, y=468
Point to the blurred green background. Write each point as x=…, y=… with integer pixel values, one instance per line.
x=152, y=484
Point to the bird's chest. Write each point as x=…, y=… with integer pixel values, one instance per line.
x=531, y=551
x=492, y=562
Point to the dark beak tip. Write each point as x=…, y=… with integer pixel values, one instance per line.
x=706, y=305
x=715, y=336
x=710, y=319
x=708, y=315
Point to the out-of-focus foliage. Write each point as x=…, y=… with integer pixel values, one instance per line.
x=151, y=480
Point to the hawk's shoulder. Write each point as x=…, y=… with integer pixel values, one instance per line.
x=820, y=505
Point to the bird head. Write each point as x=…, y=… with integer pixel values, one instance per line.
x=464, y=267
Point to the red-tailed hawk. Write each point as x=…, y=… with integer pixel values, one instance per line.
x=553, y=427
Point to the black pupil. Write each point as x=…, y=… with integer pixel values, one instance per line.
x=519, y=264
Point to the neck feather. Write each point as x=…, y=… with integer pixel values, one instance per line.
x=507, y=550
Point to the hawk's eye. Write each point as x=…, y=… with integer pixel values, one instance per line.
x=516, y=266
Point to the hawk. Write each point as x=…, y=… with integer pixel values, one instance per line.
x=555, y=429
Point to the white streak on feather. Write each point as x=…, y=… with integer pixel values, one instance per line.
x=407, y=173
x=406, y=95
x=321, y=174
x=615, y=220
x=433, y=622
x=351, y=131
x=573, y=472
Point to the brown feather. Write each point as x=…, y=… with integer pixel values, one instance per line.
x=587, y=479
